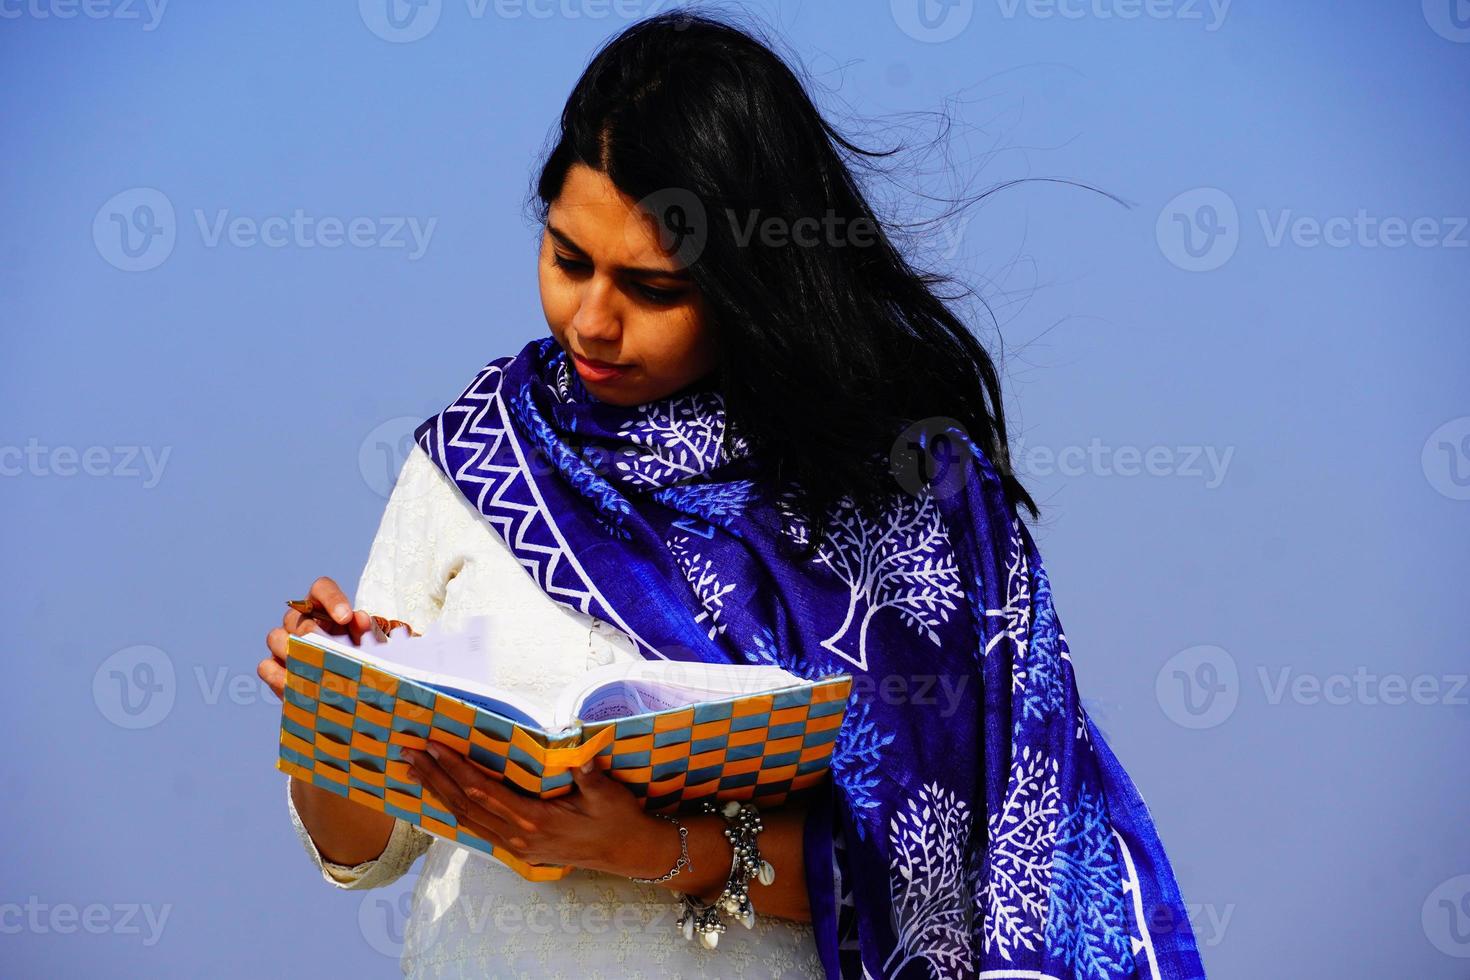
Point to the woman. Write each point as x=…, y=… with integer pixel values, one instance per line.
x=755, y=435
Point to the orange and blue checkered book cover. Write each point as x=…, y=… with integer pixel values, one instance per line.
x=344, y=723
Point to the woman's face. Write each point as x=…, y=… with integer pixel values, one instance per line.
x=612, y=294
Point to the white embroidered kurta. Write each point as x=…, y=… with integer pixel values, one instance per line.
x=436, y=559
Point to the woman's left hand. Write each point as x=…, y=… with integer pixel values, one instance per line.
x=602, y=826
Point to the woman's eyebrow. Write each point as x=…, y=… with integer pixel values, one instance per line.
x=637, y=270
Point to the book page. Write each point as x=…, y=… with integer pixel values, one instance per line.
x=623, y=689
x=456, y=663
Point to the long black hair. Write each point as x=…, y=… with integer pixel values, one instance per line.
x=831, y=342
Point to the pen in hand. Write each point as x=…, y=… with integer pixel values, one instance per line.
x=382, y=626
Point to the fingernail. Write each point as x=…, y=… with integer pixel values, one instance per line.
x=342, y=611
x=587, y=766
x=434, y=749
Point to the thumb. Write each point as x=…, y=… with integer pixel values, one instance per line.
x=589, y=778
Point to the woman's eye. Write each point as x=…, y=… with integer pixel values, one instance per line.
x=660, y=295
x=570, y=265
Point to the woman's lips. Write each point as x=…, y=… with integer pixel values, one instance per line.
x=598, y=372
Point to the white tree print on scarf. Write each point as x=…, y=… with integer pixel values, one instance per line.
x=931, y=903
x=1015, y=877
x=704, y=580
x=684, y=437
x=900, y=561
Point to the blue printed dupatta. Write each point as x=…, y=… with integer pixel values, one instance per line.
x=976, y=824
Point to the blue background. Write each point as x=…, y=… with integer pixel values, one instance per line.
x=1315, y=839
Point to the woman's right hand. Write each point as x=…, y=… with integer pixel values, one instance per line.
x=331, y=613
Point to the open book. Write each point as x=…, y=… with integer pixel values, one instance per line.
x=675, y=732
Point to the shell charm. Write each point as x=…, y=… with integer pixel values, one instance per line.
x=743, y=824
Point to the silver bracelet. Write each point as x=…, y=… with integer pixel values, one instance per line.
x=681, y=863
x=743, y=823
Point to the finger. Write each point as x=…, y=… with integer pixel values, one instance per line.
x=326, y=594
x=273, y=674
x=304, y=625
x=359, y=626
x=592, y=781
x=275, y=641
x=515, y=846
x=433, y=778
x=483, y=790
x=292, y=621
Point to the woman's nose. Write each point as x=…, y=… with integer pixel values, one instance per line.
x=596, y=317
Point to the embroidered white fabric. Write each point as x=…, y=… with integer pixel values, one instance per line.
x=435, y=558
